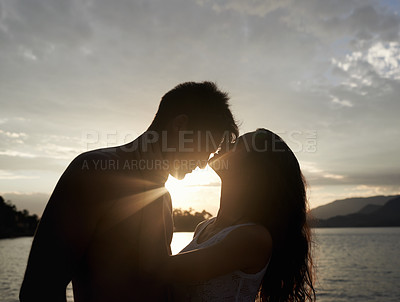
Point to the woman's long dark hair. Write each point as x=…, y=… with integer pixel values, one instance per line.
x=281, y=206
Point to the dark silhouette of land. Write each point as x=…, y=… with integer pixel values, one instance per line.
x=348, y=206
x=387, y=215
x=187, y=220
x=15, y=223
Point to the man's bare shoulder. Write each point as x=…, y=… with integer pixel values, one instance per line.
x=92, y=158
x=102, y=162
x=102, y=173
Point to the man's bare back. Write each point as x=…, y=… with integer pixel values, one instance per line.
x=110, y=211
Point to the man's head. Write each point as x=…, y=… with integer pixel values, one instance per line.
x=193, y=119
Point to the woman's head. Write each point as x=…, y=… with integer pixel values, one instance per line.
x=263, y=176
x=263, y=173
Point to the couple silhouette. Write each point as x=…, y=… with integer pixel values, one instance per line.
x=108, y=225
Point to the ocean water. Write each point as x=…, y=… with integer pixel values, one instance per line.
x=358, y=264
x=353, y=264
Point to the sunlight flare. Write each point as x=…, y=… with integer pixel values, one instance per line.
x=199, y=190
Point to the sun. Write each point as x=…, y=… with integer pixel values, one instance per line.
x=199, y=189
x=199, y=177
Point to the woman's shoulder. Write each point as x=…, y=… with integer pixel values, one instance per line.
x=247, y=248
x=252, y=242
x=251, y=233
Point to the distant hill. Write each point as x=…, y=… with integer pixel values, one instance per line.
x=375, y=216
x=348, y=206
x=368, y=209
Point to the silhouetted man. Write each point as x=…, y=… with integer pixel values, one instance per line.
x=109, y=220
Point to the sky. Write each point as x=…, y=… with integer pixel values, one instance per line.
x=79, y=75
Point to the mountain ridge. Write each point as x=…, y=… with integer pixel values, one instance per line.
x=348, y=206
x=387, y=215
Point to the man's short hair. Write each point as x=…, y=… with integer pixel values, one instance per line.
x=206, y=106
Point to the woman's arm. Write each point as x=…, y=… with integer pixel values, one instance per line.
x=247, y=248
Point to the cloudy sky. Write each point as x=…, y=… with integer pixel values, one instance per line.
x=77, y=75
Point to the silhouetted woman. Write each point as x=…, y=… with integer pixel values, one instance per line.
x=259, y=243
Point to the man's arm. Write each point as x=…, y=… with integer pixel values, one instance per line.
x=155, y=234
x=247, y=248
x=60, y=241
x=151, y=246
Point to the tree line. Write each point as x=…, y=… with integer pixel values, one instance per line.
x=15, y=223
x=187, y=220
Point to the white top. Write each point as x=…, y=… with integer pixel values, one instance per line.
x=236, y=286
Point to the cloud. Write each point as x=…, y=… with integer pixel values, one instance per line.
x=57, y=151
x=27, y=54
x=53, y=22
x=10, y=175
x=15, y=161
x=258, y=8
x=339, y=175
x=333, y=176
x=317, y=175
x=354, y=179
x=371, y=190
x=343, y=103
x=310, y=167
x=12, y=134
x=35, y=151
x=380, y=59
x=14, y=153
x=385, y=59
x=330, y=21
x=367, y=78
